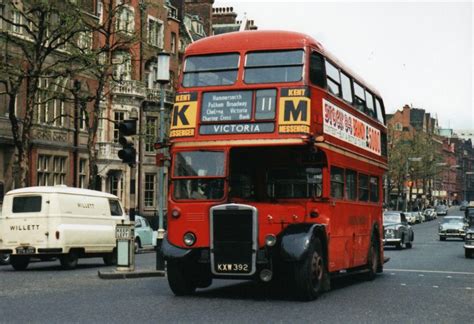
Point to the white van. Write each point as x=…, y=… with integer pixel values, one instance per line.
x=68, y=223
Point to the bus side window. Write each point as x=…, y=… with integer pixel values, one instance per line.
x=316, y=70
x=359, y=97
x=333, y=79
x=363, y=187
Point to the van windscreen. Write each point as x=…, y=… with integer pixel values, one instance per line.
x=28, y=204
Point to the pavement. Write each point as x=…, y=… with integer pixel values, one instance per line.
x=136, y=271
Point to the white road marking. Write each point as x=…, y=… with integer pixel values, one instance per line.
x=435, y=286
x=421, y=275
x=392, y=274
x=449, y=277
x=403, y=284
x=432, y=271
x=468, y=288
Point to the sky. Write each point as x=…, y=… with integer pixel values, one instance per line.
x=418, y=53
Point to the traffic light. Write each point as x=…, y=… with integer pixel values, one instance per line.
x=127, y=129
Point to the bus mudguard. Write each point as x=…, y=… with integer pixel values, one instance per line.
x=295, y=240
x=171, y=252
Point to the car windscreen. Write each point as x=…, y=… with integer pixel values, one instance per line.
x=210, y=70
x=274, y=66
x=452, y=221
x=26, y=204
x=391, y=218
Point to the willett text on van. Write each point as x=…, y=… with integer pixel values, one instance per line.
x=24, y=227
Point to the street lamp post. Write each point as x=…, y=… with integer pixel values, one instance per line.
x=162, y=77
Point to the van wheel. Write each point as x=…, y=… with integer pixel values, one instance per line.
x=19, y=262
x=110, y=259
x=180, y=281
x=310, y=274
x=69, y=261
x=4, y=258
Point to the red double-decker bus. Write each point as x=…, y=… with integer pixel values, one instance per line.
x=278, y=152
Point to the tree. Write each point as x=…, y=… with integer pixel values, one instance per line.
x=35, y=44
x=114, y=31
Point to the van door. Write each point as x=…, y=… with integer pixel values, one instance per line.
x=27, y=227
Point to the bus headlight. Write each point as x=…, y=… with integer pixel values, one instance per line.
x=189, y=238
x=270, y=240
x=175, y=213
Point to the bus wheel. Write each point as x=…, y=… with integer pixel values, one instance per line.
x=310, y=274
x=19, y=262
x=69, y=261
x=180, y=281
x=373, y=259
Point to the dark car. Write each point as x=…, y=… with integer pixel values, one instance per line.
x=452, y=227
x=441, y=210
x=469, y=239
x=397, y=232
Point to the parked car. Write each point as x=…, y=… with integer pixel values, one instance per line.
x=469, y=239
x=452, y=227
x=419, y=218
x=397, y=232
x=441, y=210
x=430, y=214
x=410, y=217
x=463, y=205
x=144, y=236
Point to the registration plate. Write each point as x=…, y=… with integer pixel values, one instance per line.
x=233, y=267
x=25, y=250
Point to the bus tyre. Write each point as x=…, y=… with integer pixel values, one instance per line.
x=69, y=261
x=310, y=274
x=19, y=262
x=4, y=258
x=373, y=259
x=180, y=281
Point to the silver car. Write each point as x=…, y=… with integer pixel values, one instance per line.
x=452, y=227
x=397, y=232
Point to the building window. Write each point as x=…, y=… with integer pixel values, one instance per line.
x=122, y=63
x=155, y=32
x=1, y=20
x=59, y=170
x=82, y=173
x=100, y=11
x=173, y=43
x=42, y=101
x=116, y=185
x=84, y=40
x=43, y=170
x=337, y=182
x=118, y=118
x=151, y=134
x=82, y=118
x=16, y=19
x=59, y=112
x=125, y=19
x=150, y=183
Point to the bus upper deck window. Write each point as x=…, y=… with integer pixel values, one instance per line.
x=316, y=70
x=274, y=67
x=211, y=70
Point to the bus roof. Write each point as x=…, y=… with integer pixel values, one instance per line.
x=259, y=40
